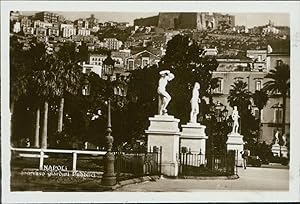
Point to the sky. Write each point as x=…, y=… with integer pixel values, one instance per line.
x=247, y=19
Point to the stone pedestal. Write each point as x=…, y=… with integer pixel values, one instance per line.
x=284, y=151
x=163, y=131
x=235, y=142
x=194, y=138
x=276, y=150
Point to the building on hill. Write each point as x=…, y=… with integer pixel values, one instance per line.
x=92, y=21
x=187, y=20
x=141, y=60
x=47, y=17
x=149, y=21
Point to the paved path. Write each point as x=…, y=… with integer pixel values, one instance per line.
x=268, y=179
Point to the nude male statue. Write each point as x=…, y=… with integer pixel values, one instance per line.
x=163, y=96
x=195, y=100
x=235, y=116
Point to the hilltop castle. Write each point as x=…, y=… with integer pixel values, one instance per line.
x=199, y=21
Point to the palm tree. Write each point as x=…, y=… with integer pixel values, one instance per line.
x=279, y=83
x=260, y=99
x=239, y=96
x=46, y=88
x=68, y=79
x=68, y=76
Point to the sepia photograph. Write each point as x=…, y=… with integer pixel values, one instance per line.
x=112, y=100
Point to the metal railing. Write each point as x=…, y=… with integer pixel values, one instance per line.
x=209, y=164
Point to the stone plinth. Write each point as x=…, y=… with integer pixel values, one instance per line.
x=194, y=138
x=163, y=131
x=235, y=142
x=284, y=151
x=276, y=150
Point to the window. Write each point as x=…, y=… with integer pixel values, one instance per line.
x=259, y=58
x=219, y=89
x=279, y=63
x=277, y=115
x=145, y=61
x=258, y=85
x=256, y=113
x=130, y=64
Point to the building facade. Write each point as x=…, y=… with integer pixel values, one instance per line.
x=271, y=115
x=141, y=60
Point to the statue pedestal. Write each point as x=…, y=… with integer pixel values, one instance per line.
x=284, y=151
x=163, y=131
x=194, y=138
x=235, y=142
x=276, y=150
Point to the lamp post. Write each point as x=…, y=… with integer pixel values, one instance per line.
x=109, y=176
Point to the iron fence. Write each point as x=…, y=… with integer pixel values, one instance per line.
x=138, y=164
x=208, y=165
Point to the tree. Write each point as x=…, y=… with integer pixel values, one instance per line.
x=279, y=82
x=68, y=76
x=239, y=96
x=188, y=62
x=46, y=88
x=260, y=99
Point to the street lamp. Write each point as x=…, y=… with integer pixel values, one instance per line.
x=108, y=67
x=86, y=87
x=109, y=177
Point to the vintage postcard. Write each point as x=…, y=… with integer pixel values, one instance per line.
x=194, y=100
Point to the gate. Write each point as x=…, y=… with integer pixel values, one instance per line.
x=208, y=165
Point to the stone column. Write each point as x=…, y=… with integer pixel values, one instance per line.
x=163, y=131
x=235, y=142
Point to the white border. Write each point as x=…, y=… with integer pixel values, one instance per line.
x=235, y=196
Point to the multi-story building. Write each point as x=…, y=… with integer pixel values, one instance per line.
x=259, y=58
x=80, y=23
x=83, y=31
x=41, y=31
x=92, y=21
x=42, y=24
x=141, y=60
x=53, y=32
x=28, y=30
x=231, y=70
x=68, y=32
x=122, y=25
x=87, y=68
x=112, y=43
x=97, y=59
x=25, y=21
x=47, y=17
x=64, y=25
x=17, y=27
x=119, y=57
x=277, y=57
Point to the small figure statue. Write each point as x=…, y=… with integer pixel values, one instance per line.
x=195, y=100
x=284, y=140
x=276, y=137
x=163, y=96
x=235, y=116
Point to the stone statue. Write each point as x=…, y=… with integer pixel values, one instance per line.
x=276, y=137
x=195, y=100
x=235, y=116
x=163, y=96
x=284, y=140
